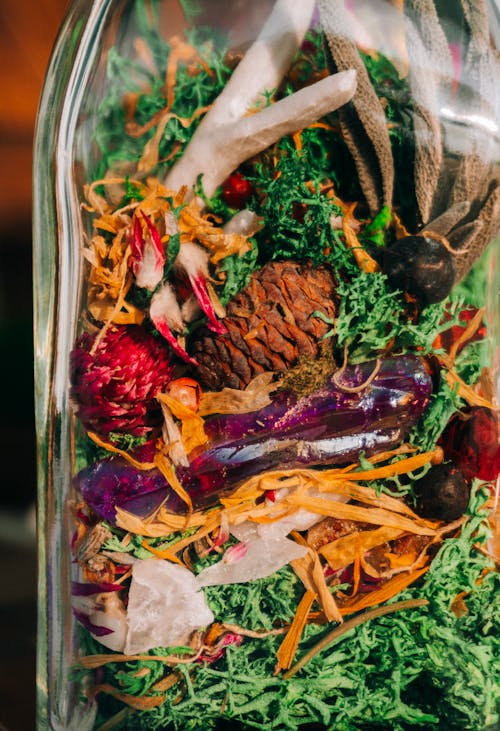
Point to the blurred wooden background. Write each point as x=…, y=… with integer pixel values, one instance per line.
x=27, y=32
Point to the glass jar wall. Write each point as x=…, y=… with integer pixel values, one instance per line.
x=266, y=337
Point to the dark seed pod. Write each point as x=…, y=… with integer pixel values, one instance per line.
x=421, y=266
x=443, y=493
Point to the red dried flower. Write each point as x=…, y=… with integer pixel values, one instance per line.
x=470, y=441
x=114, y=388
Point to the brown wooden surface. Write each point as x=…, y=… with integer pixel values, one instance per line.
x=28, y=30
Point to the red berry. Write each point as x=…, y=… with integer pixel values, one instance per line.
x=470, y=441
x=236, y=190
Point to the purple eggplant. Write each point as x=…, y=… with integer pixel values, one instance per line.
x=332, y=426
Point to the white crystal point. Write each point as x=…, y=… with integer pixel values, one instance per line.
x=262, y=558
x=164, y=607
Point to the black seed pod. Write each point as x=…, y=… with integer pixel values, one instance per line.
x=443, y=493
x=421, y=266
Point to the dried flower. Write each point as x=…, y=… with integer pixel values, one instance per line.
x=192, y=262
x=114, y=383
x=148, y=257
x=166, y=316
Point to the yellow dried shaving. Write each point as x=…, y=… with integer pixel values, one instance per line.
x=115, y=450
x=364, y=494
x=193, y=426
x=205, y=530
x=255, y=486
x=469, y=332
x=402, y=467
x=466, y=392
x=288, y=648
x=377, y=596
x=106, y=311
x=193, y=225
x=347, y=511
x=356, y=576
x=326, y=599
x=151, y=152
x=364, y=261
x=310, y=572
x=169, y=474
x=161, y=524
x=241, y=505
x=404, y=561
x=140, y=703
x=164, y=553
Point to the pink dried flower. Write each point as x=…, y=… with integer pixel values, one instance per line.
x=115, y=383
x=219, y=650
x=148, y=257
x=166, y=316
x=192, y=262
x=235, y=553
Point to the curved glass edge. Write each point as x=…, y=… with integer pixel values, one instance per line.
x=56, y=263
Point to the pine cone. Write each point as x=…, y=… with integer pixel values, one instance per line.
x=114, y=387
x=269, y=325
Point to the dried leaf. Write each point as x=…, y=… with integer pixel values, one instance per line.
x=430, y=76
x=235, y=401
x=488, y=224
x=363, y=122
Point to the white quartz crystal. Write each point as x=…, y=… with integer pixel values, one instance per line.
x=262, y=558
x=164, y=607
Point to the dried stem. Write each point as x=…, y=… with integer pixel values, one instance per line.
x=338, y=632
x=215, y=152
x=261, y=70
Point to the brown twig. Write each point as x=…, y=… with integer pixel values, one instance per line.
x=338, y=632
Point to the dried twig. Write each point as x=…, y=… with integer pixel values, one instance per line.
x=338, y=632
x=216, y=152
x=230, y=133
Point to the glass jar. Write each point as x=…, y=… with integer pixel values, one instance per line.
x=266, y=339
